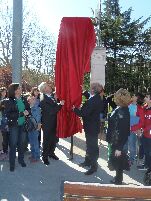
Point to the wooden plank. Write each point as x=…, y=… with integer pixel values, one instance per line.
x=104, y=191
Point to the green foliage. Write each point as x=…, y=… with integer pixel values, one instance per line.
x=128, y=47
x=38, y=44
x=34, y=77
x=87, y=81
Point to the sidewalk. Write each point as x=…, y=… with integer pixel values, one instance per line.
x=38, y=182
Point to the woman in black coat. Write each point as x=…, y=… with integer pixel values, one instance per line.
x=16, y=108
x=118, y=132
x=90, y=113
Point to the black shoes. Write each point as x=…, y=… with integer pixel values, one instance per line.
x=116, y=182
x=23, y=164
x=45, y=161
x=53, y=156
x=84, y=164
x=12, y=166
x=91, y=171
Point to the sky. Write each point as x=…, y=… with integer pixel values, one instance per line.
x=50, y=12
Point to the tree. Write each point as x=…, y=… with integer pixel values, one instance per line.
x=127, y=44
x=5, y=34
x=38, y=43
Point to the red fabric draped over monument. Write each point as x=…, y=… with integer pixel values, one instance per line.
x=76, y=42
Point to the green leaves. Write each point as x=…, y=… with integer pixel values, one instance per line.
x=128, y=47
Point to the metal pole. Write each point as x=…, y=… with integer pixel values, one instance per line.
x=100, y=7
x=71, y=149
x=17, y=42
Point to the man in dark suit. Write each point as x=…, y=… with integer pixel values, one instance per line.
x=49, y=109
x=90, y=113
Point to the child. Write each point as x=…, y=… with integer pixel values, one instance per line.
x=33, y=135
x=35, y=92
x=136, y=123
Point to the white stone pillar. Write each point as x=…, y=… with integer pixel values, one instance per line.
x=98, y=61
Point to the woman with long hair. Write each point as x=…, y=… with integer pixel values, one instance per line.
x=16, y=109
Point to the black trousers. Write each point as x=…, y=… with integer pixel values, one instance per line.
x=119, y=176
x=39, y=138
x=5, y=142
x=49, y=144
x=92, y=149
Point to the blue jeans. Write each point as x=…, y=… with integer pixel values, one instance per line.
x=16, y=140
x=34, y=143
x=131, y=146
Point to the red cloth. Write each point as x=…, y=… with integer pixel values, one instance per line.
x=147, y=122
x=75, y=45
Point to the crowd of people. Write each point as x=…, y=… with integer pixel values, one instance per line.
x=15, y=109
x=128, y=118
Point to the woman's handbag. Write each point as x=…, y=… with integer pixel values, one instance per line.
x=30, y=124
x=120, y=162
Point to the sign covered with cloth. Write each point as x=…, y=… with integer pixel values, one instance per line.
x=76, y=42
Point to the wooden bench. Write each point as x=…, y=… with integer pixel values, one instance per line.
x=78, y=191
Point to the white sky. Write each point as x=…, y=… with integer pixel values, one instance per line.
x=50, y=12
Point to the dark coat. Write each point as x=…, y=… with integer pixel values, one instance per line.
x=11, y=110
x=49, y=110
x=90, y=113
x=105, y=107
x=120, y=120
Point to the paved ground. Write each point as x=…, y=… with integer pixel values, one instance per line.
x=38, y=182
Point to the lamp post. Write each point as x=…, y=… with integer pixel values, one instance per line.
x=17, y=42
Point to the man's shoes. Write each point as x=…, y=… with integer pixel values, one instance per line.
x=84, y=164
x=53, y=156
x=114, y=181
x=23, y=164
x=91, y=171
x=46, y=162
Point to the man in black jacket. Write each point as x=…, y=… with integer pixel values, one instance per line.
x=90, y=113
x=49, y=109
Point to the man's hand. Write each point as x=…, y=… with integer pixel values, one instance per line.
x=117, y=153
x=73, y=107
x=62, y=102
